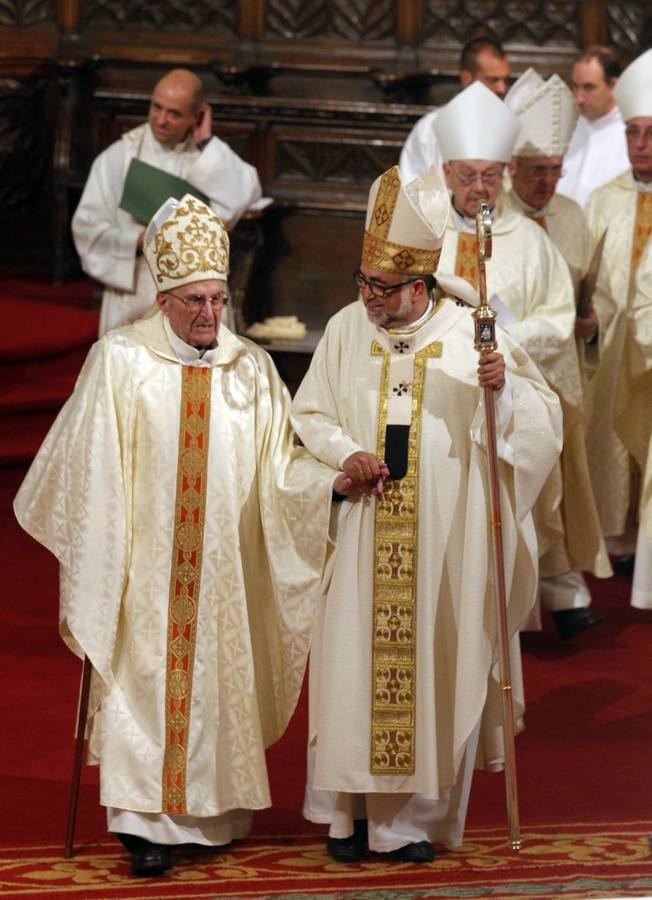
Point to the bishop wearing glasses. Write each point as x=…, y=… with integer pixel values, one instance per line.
x=404, y=700
x=191, y=533
x=530, y=288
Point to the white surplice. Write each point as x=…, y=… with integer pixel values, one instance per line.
x=336, y=412
x=102, y=496
x=106, y=236
x=597, y=153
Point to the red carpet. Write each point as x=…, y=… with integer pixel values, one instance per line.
x=583, y=765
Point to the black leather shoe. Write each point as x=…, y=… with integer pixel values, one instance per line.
x=571, y=622
x=150, y=862
x=420, y=852
x=349, y=849
x=624, y=565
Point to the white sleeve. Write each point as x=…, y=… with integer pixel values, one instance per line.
x=105, y=240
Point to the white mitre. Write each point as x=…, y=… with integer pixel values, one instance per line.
x=547, y=113
x=405, y=224
x=524, y=86
x=476, y=124
x=185, y=242
x=633, y=91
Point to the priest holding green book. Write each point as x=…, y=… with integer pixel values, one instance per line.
x=172, y=154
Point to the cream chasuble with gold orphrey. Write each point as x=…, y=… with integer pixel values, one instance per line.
x=191, y=535
x=408, y=614
x=625, y=211
x=530, y=277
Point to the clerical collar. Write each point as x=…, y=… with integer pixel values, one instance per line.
x=186, y=354
x=165, y=150
x=604, y=121
x=465, y=223
x=433, y=305
x=645, y=187
x=528, y=210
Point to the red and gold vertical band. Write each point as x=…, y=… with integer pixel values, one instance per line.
x=641, y=235
x=466, y=260
x=185, y=580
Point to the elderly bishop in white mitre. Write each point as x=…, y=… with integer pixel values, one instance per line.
x=191, y=534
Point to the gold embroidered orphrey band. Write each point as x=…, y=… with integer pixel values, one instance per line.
x=393, y=702
x=185, y=580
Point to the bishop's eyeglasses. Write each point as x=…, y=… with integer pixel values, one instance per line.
x=377, y=288
x=195, y=302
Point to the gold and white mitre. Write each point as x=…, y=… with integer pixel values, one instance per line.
x=185, y=242
x=405, y=224
x=547, y=113
x=633, y=91
x=476, y=124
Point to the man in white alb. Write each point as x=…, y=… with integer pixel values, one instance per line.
x=597, y=151
x=177, y=139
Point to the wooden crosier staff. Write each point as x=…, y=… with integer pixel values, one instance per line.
x=77, y=764
x=485, y=342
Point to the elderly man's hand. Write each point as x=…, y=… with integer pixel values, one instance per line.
x=491, y=371
x=366, y=471
x=587, y=327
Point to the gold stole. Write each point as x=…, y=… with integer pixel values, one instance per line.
x=393, y=705
x=466, y=261
x=185, y=579
x=540, y=220
x=642, y=231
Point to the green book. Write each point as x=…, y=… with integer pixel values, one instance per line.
x=147, y=188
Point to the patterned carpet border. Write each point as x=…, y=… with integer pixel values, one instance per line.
x=570, y=861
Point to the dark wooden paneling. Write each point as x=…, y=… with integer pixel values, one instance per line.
x=318, y=94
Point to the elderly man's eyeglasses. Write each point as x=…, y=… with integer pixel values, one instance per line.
x=377, y=288
x=541, y=171
x=195, y=302
x=467, y=177
x=634, y=133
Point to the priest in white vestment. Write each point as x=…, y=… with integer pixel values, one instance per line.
x=404, y=696
x=624, y=209
x=176, y=140
x=597, y=150
x=533, y=295
x=634, y=420
x=191, y=534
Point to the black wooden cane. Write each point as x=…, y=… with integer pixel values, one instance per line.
x=79, y=751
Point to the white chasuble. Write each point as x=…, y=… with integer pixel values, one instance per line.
x=191, y=535
x=624, y=209
x=403, y=659
x=633, y=422
x=529, y=276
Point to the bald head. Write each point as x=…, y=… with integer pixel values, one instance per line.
x=175, y=106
